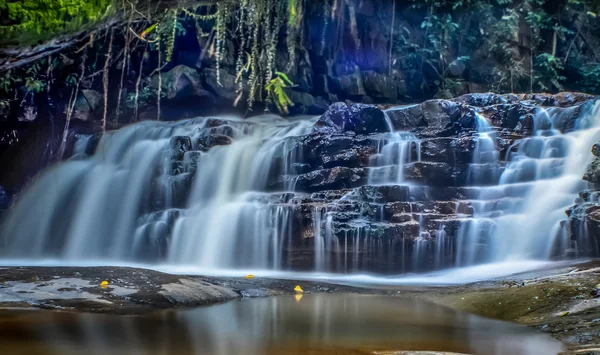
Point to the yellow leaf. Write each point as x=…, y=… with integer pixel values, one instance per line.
x=103, y=283
x=249, y=276
x=298, y=289
x=562, y=314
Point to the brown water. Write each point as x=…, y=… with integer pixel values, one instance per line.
x=310, y=324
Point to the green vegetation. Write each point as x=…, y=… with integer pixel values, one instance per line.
x=435, y=48
x=530, y=44
x=276, y=93
x=28, y=22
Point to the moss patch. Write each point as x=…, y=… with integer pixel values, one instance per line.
x=29, y=22
x=528, y=304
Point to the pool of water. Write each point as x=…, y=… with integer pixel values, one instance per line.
x=303, y=324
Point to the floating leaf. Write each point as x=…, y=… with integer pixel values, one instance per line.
x=103, y=284
x=298, y=289
x=250, y=276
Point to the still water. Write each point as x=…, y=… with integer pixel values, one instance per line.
x=309, y=324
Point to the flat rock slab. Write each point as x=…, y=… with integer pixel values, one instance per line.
x=135, y=291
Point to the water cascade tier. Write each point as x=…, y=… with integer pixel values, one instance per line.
x=478, y=179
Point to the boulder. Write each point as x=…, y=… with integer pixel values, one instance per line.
x=181, y=83
x=449, y=150
x=358, y=118
x=406, y=117
x=350, y=86
x=593, y=172
x=206, y=142
x=88, y=105
x=440, y=113
x=380, y=86
x=306, y=104
x=226, y=88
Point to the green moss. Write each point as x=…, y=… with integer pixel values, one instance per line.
x=28, y=22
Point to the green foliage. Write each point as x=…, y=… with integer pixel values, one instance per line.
x=528, y=42
x=547, y=73
x=276, y=93
x=8, y=82
x=28, y=22
x=256, y=26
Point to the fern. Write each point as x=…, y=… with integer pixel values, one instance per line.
x=276, y=93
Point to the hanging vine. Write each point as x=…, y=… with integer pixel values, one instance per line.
x=256, y=27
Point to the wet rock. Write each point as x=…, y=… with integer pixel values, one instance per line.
x=181, y=83
x=596, y=149
x=92, y=144
x=483, y=99
x=450, y=150
x=357, y=118
x=440, y=113
x=593, y=172
x=206, y=142
x=350, y=85
x=379, y=86
x=456, y=68
x=565, y=99
x=406, y=117
x=171, y=191
x=301, y=168
x=433, y=174
x=178, y=146
x=328, y=179
x=514, y=116
x=306, y=104
x=562, y=99
x=383, y=194
x=348, y=158
x=190, y=161
x=225, y=89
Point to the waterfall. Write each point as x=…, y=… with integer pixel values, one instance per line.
x=90, y=207
x=221, y=193
x=519, y=217
x=396, y=149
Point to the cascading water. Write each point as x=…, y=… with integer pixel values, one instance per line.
x=89, y=208
x=197, y=193
x=519, y=218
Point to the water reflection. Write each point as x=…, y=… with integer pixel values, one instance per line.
x=312, y=324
